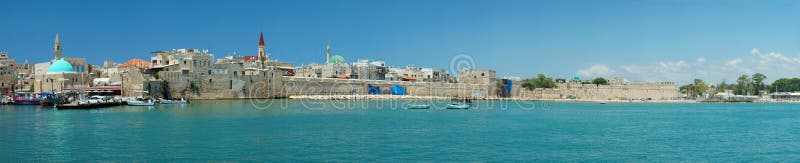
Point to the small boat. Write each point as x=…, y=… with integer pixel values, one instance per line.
x=458, y=106
x=165, y=101
x=26, y=100
x=141, y=103
x=50, y=99
x=418, y=106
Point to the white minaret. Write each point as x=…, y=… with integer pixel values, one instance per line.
x=57, y=48
x=327, y=53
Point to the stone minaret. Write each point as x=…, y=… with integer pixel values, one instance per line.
x=57, y=48
x=327, y=53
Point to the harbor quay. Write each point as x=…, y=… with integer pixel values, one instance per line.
x=197, y=74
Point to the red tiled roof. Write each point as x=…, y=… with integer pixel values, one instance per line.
x=250, y=58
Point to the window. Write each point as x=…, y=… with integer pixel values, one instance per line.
x=483, y=74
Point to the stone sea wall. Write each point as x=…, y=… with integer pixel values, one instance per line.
x=650, y=90
x=330, y=86
x=272, y=85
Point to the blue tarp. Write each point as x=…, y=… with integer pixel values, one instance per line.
x=506, y=92
x=374, y=89
x=398, y=90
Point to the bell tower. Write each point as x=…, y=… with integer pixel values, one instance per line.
x=262, y=55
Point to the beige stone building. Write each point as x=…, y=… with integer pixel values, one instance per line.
x=60, y=73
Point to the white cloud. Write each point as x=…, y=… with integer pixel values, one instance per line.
x=596, y=71
x=734, y=62
x=774, y=64
x=755, y=51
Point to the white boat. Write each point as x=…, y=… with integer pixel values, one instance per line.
x=141, y=103
x=458, y=106
x=418, y=106
x=165, y=101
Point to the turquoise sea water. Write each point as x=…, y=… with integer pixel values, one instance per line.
x=293, y=130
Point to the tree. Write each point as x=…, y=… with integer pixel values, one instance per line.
x=700, y=86
x=743, y=85
x=723, y=86
x=541, y=81
x=758, y=83
x=695, y=89
x=786, y=85
x=599, y=81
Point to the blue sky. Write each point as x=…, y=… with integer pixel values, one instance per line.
x=638, y=39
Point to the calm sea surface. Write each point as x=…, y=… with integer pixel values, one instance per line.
x=294, y=130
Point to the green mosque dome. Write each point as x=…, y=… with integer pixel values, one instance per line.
x=60, y=66
x=336, y=59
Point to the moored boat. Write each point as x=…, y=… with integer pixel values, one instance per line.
x=458, y=106
x=26, y=99
x=165, y=101
x=418, y=106
x=141, y=103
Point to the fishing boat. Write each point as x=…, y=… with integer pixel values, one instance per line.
x=165, y=101
x=7, y=100
x=49, y=99
x=26, y=99
x=418, y=106
x=458, y=105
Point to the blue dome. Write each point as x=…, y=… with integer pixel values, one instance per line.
x=60, y=66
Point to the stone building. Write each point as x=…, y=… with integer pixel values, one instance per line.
x=369, y=70
x=60, y=73
x=8, y=73
x=474, y=76
x=435, y=75
x=408, y=73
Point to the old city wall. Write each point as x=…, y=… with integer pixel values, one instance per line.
x=175, y=86
x=654, y=90
x=330, y=86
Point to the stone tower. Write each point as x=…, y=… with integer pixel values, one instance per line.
x=327, y=53
x=57, y=48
